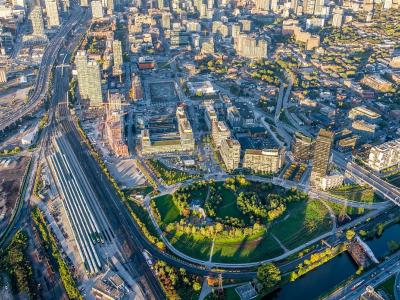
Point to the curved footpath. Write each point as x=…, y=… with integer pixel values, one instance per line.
x=285, y=183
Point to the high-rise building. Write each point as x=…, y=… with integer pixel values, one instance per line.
x=166, y=20
x=3, y=75
x=263, y=5
x=136, y=88
x=117, y=55
x=89, y=79
x=108, y=4
x=236, y=28
x=309, y=6
x=97, y=9
x=337, y=18
x=230, y=153
x=322, y=154
x=37, y=21
x=219, y=132
x=160, y=4
x=251, y=47
x=302, y=147
x=53, y=18
x=84, y=3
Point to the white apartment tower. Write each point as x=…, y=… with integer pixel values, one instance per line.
x=97, y=9
x=37, y=21
x=117, y=55
x=53, y=18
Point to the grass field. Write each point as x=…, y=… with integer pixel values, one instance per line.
x=247, y=250
x=395, y=180
x=302, y=222
x=357, y=193
x=228, y=207
x=168, y=211
x=194, y=245
x=340, y=210
x=388, y=287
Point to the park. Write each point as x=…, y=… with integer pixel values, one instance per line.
x=237, y=220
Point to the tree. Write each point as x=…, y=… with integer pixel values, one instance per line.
x=196, y=286
x=269, y=275
x=350, y=234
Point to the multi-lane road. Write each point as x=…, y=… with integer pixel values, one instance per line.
x=45, y=70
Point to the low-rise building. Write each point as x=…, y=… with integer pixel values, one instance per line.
x=377, y=83
x=384, y=156
x=264, y=160
x=363, y=113
x=331, y=181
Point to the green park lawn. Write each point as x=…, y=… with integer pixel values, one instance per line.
x=301, y=222
x=193, y=245
x=307, y=220
x=228, y=207
x=169, y=213
x=356, y=193
x=246, y=250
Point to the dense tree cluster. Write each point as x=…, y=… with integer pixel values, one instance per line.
x=176, y=283
x=18, y=266
x=169, y=175
x=268, y=276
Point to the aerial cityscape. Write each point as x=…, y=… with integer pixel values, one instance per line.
x=200, y=149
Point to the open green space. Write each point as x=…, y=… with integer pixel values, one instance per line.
x=346, y=212
x=238, y=219
x=194, y=245
x=167, y=209
x=303, y=221
x=169, y=175
x=356, y=192
x=228, y=207
x=388, y=287
x=246, y=250
x=143, y=216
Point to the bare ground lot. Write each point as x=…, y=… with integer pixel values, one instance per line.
x=11, y=175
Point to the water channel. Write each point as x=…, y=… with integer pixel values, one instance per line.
x=325, y=277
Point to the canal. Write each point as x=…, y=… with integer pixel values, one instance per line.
x=325, y=277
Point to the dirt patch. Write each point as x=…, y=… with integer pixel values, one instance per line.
x=12, y=171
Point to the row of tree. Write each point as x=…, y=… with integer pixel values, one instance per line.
x=54, y=255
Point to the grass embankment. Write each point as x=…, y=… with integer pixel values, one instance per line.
x=303, y=222
x=168, y=175
x=355, y=192
x=388, y=287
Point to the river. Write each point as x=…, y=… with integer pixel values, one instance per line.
x=325, y=277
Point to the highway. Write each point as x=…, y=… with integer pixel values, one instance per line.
x=384, y=188
x=374, y=277
x=45, y=70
